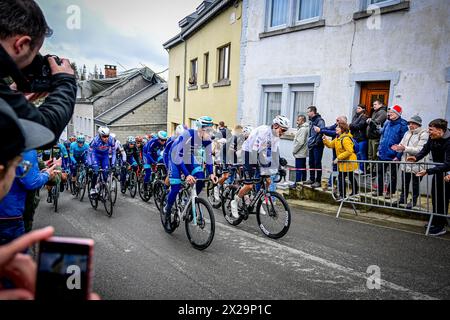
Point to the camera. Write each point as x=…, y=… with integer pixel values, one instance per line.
x=37, y=76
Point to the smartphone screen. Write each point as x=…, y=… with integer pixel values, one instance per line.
x=64, y=269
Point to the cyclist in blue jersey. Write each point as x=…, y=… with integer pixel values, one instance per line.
x=132, y=158
x=187, y=156
x=152, y=154
x=78, y=154
x=100, y=148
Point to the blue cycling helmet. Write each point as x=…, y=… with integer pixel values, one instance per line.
x=131, y=140
x=205, y=122
x=81, y=139
x=162, y=135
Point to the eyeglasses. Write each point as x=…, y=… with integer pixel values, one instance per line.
x=104, y=137
x=284, y=130
x=23, y=168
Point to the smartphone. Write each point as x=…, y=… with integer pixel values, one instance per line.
x=64, y=269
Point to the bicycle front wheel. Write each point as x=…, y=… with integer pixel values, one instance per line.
x=114, y=184
x=107, y=200
x=213, y=195
x=159, y=191
x=200, y=232
x=133, y=184
x=273, y=215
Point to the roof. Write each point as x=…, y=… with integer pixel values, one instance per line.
x=131, y=103
x=92, y=90
x=206, y=11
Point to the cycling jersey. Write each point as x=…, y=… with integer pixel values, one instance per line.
x=153, y=152
x=167, y=148
x=261, y=139
x=78, y=153
x=132, y=154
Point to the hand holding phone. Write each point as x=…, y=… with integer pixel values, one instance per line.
x=65, y=269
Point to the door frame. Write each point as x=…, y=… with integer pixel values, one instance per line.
x=356, y=79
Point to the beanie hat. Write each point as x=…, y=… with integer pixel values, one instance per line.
x=416, y=119
x=397, y=109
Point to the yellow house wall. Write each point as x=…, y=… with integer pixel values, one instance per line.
x=220, y=103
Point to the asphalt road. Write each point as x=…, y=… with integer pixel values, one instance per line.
x=319, y=258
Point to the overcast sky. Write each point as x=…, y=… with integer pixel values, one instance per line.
x=127, y=32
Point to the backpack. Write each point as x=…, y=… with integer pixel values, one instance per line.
x=355, y=144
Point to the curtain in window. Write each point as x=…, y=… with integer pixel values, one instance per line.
x=308, y=9
x=273, y=106
x=279, y=12
x=302, y=101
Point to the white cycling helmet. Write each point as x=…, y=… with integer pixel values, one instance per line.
x=103, y=131
x=247, y=130
x=282, y=121
x=181, y=129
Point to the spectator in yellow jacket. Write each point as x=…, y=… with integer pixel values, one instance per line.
x=343, y=144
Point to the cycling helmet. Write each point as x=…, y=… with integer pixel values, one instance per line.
x=282, y=121
x=131, y=140
x=103, y=131
x=247, y=130
x=204, y=122
x=162, y=135
x=72, y=139
x=81, y=139
x=181, y=129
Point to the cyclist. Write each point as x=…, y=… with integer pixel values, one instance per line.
x=152, y=154
x=140, y=146
x=166, y=153
x=132, y=158
x=100, y=147
x=262, y=142
x=184, y=160
x=121, y=156
x=235, y=151
x=78, y=155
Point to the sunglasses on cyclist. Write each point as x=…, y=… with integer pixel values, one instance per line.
x=23, y=168
x=104, y=137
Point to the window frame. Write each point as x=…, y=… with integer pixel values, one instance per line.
x=308, y=20
x=191, y=74
x=205, y=68
x=226, y=65
x=386, y=3
x=267, y=89
x=177, y=88
x=269, y=16
x=293, y=89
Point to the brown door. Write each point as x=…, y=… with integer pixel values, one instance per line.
x=371, y=91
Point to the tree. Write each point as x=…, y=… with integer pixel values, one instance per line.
x=83, y=74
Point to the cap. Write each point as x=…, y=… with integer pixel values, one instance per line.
x=416, y=119
x=397, y=110
x=21, y=135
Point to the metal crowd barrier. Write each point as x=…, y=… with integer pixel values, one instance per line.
x=381, y=183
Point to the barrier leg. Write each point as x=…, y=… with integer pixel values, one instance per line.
x=340, y=208
x=429, y=225
x=354, y=209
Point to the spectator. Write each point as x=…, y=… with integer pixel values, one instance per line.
x=315, y=146
x=300, y=150
x=19, y=141
x=439, y=146
x=22, y=32
x=411, y=144
x=375, y=123
x=358, y=129
x=343, y=144
x=391, y=134
x=331, y=132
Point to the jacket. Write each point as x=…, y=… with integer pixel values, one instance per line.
x=13, y=205
x=301, y=142
x=329, y=131
x=358, y=127
x=413, y=142
x=344, y=151
x=376, y=123
x=392, y=133
x=315, y=139
x=57, y=109
x=440, y=150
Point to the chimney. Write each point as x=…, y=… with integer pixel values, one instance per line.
x=110, y=71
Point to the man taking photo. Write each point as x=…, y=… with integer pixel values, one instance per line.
x=23, y=29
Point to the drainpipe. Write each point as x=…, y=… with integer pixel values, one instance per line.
x=184, y=81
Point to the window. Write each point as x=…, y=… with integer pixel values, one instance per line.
x=288, y=13
x=302, y=99
x=278, y=13
x=194, y=72
x=308, y=9
x=379, y=3
x=206, y=68
x=272, y=102
x=224, y=63
x=177, y=88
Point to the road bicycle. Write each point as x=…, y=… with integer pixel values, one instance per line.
x=103, y=194
x=273, y=213
x=196, y=213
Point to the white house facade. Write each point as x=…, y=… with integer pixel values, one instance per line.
x=335, y=54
